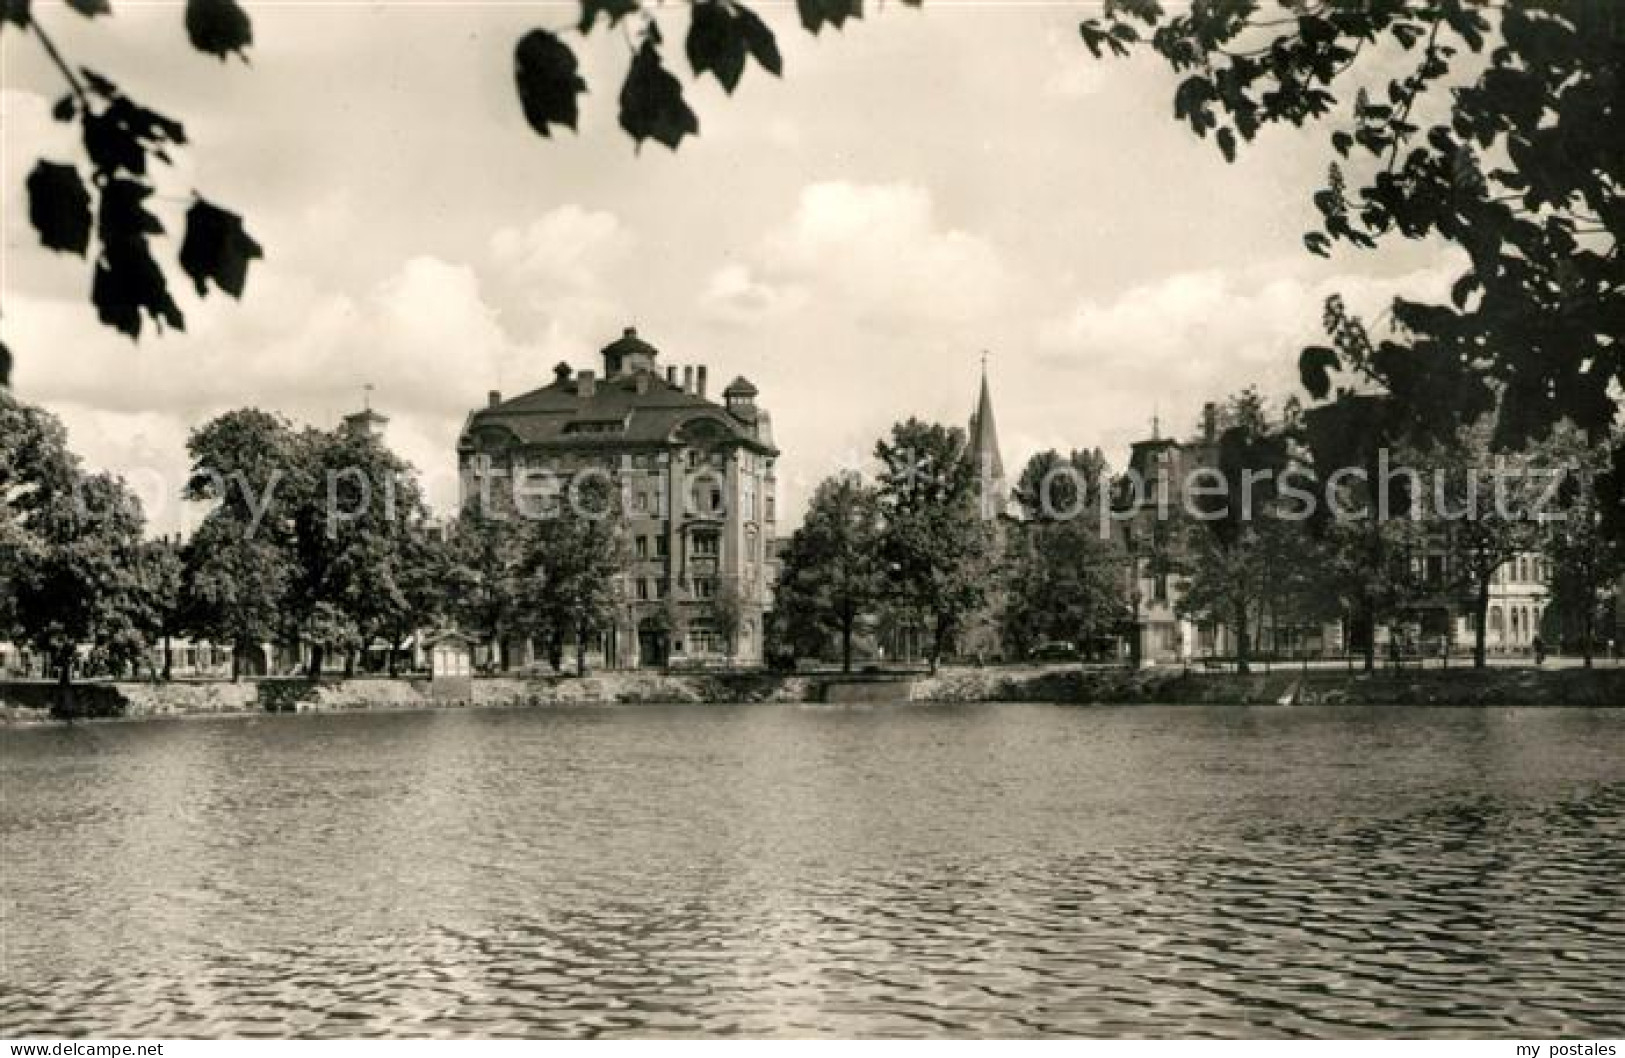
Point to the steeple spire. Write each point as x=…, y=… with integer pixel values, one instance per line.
x=984, y=448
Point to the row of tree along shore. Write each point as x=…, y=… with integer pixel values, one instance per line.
x=322, y=539
x=1350, y=514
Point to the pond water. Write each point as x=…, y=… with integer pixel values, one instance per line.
x=818, y=871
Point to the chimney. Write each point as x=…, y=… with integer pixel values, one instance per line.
x=493, y=398
x=699, y=381
x=586, y=384
x=688, y=378
x=671, y=374
x=1210, y=422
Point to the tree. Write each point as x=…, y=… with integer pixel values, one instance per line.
x=241, y=561
x=70, y=551
x=355, y=504
x=833, y=571
x=570, y=568
x=726, y=611
x=1064, y=583
x=35, y=465
x=423, y=569
x=80, y=586
x=1231, y=549
x=482, y=578
x=162, y=574
x=338, y=506
x=1486, y=512
x=1582, y=549
x=937, y=548
x=1052, y=486
x=1361, y=518
x=236, y=586
x=328, y=629
x=1521, y=170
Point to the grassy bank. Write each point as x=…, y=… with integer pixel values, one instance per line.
x=30, y=702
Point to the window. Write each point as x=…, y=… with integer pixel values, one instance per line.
x=643, y=588
x=703, y=639
x=661, y=550
x=706, y=545
x=642, y=547
x=705, y=587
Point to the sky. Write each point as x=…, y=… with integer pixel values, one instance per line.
x=919, y=188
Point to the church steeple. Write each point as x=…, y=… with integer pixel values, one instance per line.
x=983, y=450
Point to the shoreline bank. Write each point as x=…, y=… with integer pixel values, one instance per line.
x=29, y=702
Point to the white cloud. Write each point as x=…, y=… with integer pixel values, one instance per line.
x=430, y=338
x=1200, y=334
x=567, y=247
x=878, y=251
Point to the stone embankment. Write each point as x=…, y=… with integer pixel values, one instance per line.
x=31, y=702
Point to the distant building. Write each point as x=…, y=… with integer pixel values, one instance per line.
x=1517, y=607
x=1157, y=632
x=698, y=478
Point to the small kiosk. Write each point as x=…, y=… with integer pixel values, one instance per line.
x=451, y=666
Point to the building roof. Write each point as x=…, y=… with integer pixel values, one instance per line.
x=740, y=387
x=629, y=344
x=635, y=410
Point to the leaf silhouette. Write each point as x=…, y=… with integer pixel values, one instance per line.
x=1315, y=366
x=759, y=40
x=815, y=14
x=544, y=68
x=614, y=10
x=217, y=248
x=14, y=11
x=715, y=44
x=59, y=207
x=721, y=35
x=218, y=27
x=652, y=105
x=128, y=284
x=91, y=8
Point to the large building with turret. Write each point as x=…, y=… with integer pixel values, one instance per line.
x=698, y=482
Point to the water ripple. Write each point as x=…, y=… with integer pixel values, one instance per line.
x=993, y=871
